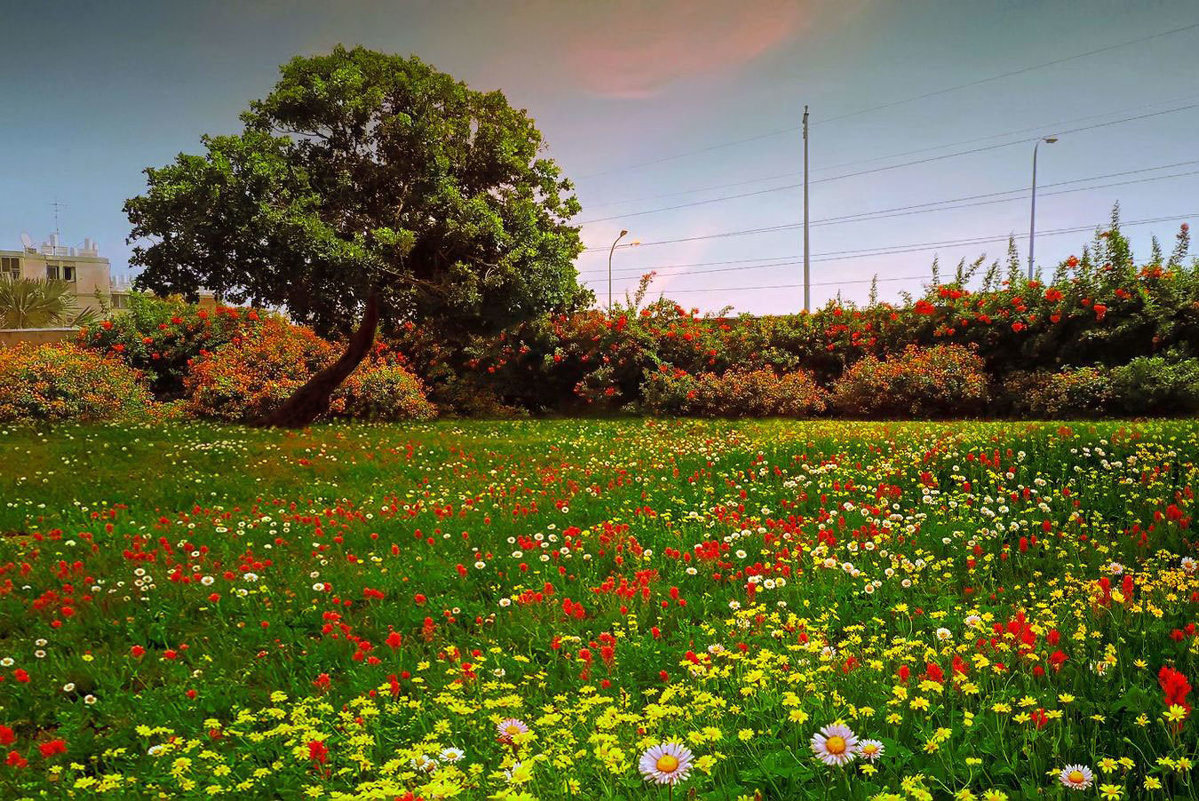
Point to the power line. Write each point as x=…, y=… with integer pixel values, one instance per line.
x=921, y=207
x=778, y=176
x=926, y=160
x=894, y=103
x=845, y=255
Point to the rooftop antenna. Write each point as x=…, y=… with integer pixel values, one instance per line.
x=57, y=207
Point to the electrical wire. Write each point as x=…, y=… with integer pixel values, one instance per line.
x=874, y=170
x=844, y=255
x=779, y=176
x=893, y=212
x=893, y=103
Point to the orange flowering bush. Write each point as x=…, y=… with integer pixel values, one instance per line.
x=60, y=381
x=1069, y=393
x=251, y=375
x=941, y=381
x=735, y=393
x=161, y=337
x=382, y=388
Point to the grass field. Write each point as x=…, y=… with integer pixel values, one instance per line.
x=519, y=610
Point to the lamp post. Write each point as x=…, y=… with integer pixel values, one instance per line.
x=623, y=234
x=1032, y=222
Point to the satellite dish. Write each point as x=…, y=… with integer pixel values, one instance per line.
x=26, y=240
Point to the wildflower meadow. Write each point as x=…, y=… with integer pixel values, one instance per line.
x=599, y=609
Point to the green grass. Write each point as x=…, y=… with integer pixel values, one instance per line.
x=434, y=533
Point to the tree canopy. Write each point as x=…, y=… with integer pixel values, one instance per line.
x=364, y=175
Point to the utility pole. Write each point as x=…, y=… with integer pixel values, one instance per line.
x=1032, y=221
x=807, y=265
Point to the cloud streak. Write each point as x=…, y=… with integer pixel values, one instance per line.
x=636, y=49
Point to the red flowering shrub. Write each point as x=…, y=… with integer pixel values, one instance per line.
x=735, y=393
x=1069, y=393
x=382, y=388
x=941, y=381
x=249, y=376
x=161, y=337
x=61, y=381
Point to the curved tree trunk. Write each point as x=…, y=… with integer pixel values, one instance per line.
x=312, y=400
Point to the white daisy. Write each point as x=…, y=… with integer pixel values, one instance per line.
x=509, y=728
x=666, y=763
x=1076, y=777
x=835, y=744
x=452, y=754
x=870, y=750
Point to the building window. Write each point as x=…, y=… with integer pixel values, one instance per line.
x=68, y=272
x=10, y=268
x=52, y=272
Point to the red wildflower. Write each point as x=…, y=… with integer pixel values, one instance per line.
x=53, y=747
x=1175, y=687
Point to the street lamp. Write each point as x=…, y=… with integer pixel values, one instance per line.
x=623, y=234
x=1032, y=223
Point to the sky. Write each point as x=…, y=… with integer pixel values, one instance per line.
x=660, y=110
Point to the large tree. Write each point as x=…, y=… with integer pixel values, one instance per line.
x=366, y=190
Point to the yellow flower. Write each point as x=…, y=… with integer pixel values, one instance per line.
x=1109, y=791
x=1174, y=714
x=1152, y=783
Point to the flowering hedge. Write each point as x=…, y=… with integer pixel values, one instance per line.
x=60, y=381
x=251, y=375
x=161, y=337
x=247, y=377
x=736, y=393
x=1101, y=311
x=941, y=381
x=382, y=388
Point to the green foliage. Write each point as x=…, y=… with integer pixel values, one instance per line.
x=161, y=337
x=249, y=376
x=38, y=303
x=382, y=389
x=60, y=381
x=941, y=381
x=363, y=173
x=1164, y=385
x=1083, y=392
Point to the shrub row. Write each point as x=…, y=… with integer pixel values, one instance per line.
x=60, y=381
x=256, y=368
x=1099, y=313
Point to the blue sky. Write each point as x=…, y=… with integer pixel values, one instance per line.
x=636, y=100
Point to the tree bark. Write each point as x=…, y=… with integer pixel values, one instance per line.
x=312, y=400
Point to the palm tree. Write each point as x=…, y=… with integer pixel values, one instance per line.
x=35, y=303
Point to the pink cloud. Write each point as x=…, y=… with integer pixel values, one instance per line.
x=633, y=49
